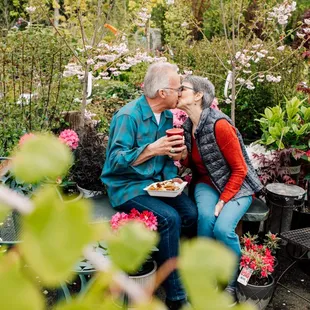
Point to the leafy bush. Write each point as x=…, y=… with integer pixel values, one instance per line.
x=35, y=59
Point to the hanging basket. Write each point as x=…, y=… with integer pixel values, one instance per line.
x=260, y=296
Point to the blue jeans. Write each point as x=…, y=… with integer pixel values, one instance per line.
x=221, y=228
x=173, y=214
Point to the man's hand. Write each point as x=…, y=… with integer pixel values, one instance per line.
x=178, y=180
x=171, y=146
x=218, y=208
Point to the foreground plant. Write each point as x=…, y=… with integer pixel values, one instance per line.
x=56, y=235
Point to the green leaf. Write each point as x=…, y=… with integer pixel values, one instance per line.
x=16, y=291
x=268, y=113
x=55, y=234
x=130, y=246
x=40, y=157
x=202, y=272
x=270, y=140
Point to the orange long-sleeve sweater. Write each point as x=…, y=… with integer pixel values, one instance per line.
x=229, y=145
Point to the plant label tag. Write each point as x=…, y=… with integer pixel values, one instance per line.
x=245, y=275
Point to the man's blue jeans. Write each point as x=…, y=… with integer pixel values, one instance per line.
x=173, y=214
x=221, y=228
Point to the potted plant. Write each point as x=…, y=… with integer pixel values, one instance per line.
x=89, y=160
x=257, y=261
x=286, y=133
x=145, y=276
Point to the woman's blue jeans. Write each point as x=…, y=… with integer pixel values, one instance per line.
x=221, y=228
x=173, y=214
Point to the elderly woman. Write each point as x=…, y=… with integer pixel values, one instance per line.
x=224, y=178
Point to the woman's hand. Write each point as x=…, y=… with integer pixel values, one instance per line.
x=218, y=208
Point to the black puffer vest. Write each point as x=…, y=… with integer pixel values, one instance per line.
x=217, y=167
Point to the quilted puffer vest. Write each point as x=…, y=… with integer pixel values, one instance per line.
x=217, y=167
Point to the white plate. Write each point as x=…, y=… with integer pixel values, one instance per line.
x=166, y=193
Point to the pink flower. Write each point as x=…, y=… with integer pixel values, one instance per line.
x=149, y=219
x=179, y=117
x=308, y=153
x=25, y=137
x=214, y=104
x=118, y=219
x=70, y=138
x=146, y=217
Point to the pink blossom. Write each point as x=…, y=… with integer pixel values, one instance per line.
x=25, y=137
x=70, y=138
x=179, y=117
x=214, y=104
x=149, y=219
x=146, y=217
x=118, y=219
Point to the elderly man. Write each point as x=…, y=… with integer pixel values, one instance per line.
x=139, y=153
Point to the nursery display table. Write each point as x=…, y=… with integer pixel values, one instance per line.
x=300, y=238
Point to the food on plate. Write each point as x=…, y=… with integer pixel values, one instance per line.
x=164, y=186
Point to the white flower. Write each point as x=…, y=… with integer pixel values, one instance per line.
x=228, y=101
x=256, y=46
x=258, y=149
x=270, y=57
x=264, y=51
x=307, y=21
x=281, y=48
x=90, y=61
x=250, y=87
x=247, y=71
x=31, y=9
x=306, y=30
x=260, y=80
x=185, y=24
x=260, y=55
x=170, y=2
x=300, y=35
x=241, y=80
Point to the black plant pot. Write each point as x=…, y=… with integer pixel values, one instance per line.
x=258, y=295
x=301, y=219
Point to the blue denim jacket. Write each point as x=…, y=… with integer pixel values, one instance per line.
x=133, y=128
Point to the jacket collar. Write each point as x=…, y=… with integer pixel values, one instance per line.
x=147, y=111
x=188, y=125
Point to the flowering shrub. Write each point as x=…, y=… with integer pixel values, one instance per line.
x=259, y=257
x=145, y=217
x=273, y=165
x=70, y=138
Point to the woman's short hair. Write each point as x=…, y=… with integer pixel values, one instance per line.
x=201, y=84
x=157, y=78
